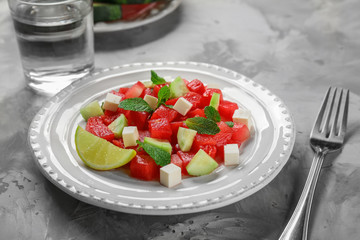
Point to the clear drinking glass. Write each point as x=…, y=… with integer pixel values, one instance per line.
x=56, y=41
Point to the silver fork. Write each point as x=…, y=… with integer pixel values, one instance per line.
x=326, y=136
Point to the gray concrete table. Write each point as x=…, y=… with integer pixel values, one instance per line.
x=297, y=49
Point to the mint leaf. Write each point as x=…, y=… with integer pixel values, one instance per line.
x=135, y=104
x=160, y=156
x=202, y=125
x=163, y=95
x=156, y=79
x=212, y=114
x=230, y=124
x=169, y=106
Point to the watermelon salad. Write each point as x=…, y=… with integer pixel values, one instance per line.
x=173, y=128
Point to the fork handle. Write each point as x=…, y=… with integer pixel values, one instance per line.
x=297, y=227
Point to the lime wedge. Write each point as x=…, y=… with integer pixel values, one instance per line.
x=99, y=154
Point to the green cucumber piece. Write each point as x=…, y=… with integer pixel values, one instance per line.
x=126, y=1
x=149, y=84
x=178, y=88
x=117, y=126
x=162, y=144
x=201, y=164
x=215, y=100
x=93, y=109
x=185, y=137
x=104, y=12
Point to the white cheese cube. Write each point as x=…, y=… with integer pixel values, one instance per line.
x=231, y=154
x=130, y=135
x=250, y=125
x=151, y=100
x=182, y=106
x=111, y=102
x=242, y=116
x=170, y=175
x=213, y=85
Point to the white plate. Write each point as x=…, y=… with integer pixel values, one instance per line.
x=51, y=136
x=102, y=27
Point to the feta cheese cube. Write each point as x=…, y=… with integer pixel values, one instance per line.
x=213, y=85
x=231, y=154
x=111, y=102
x=130, y=135
x=170, y=175
x=242, y=116
x=182, y=106
x=250, y=125
x=151, y=100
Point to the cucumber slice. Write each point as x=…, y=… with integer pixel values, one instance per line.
x=162, y=144
x=185, y=137
x=93, y=109
x=201, y=164
x=104, y=12
x=118, y=125
x=215, y=100
x=149, y=84
x=178, y=88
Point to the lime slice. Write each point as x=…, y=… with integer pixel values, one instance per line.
x=98, y=153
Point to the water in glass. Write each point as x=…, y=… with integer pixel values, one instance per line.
x=56, y=43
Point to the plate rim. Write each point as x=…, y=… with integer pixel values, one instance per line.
x=42, y=161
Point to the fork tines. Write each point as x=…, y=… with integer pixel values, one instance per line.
x=332, y=118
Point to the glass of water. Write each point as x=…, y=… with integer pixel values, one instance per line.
x=56, y=41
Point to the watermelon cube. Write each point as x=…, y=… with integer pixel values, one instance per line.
x=227, y=109
x=144, y=167
x=224, y=135
x=138, y=119
x=185, y=158
x=171, y=101
x=202, y=140
x=198, y=112
x=164, y=112
x=118, y=142
x=123, y=90
x=240, y=132
x=135, y=91
x=109, y=116
x=194, y=98
x=160, y=128
x=175, y=159
x=96, y=126
x=147, y=91
x=143, y=134
x=210, y=150
x=196, y=86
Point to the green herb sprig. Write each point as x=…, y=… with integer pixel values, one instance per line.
x=202, y=125
x=160, y=156
x=156, y=79
x=230, y=124
x=135, y=104
x=212, y=114
x=163, y=95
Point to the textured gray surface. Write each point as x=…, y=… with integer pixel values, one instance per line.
x=294, y=48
